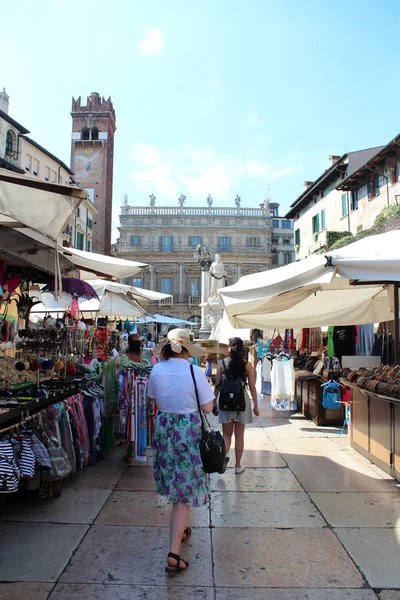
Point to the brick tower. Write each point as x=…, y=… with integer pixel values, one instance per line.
x=92, y=161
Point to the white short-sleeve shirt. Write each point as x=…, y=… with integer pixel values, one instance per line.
x=172, y=386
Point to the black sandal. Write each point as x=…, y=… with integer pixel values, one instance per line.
x=186, y=533
x=177, y=568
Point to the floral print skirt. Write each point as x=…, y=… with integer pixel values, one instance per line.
x=177, y=466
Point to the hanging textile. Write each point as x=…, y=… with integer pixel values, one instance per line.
x=283, y=385
x=365, y=340
x=331, y=345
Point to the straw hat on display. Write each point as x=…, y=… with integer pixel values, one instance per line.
x=179, y=339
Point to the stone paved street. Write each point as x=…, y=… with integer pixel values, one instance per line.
x=309, y=519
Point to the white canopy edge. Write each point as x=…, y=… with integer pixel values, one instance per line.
x=373, y=258
x=108, y=266
x=28, y=202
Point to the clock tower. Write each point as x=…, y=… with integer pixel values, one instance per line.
x=92, y=161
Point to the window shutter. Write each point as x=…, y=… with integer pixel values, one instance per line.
x=258, y=242
x=161, y=243
x=229, y=244
x=190, y=240
x=219, y=244
x=247, y=242
x=172, y=243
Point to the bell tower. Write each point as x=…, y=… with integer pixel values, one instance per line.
x=92, y=161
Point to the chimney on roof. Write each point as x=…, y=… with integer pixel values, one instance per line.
x=307, y=184
x=4, y=101
x=332, y=159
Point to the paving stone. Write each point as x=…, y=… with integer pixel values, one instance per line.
x=145, y=509
x=376, y=551
x=99, y=476
x=261, y=458
x=137, y=479
x=36, y=551
x=340, y=479
x=389, y=595
x=138, y=555
x=325, y=460
x=76, y=505
x=29, y=591
x=274, y=558
x=264, y=509
x=359, y=509
x=256, y=480
x=65, y=591
x=293, y=594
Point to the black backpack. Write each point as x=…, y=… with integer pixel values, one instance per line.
x=231, y=395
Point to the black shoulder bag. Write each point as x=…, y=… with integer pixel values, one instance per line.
x=212, y=445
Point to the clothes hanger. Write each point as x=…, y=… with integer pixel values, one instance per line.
x=332, y=381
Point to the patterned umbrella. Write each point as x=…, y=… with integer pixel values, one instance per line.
x=75, y=287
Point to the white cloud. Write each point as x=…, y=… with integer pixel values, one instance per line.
x=200, y=172
x=252, y=120
x=153, y=41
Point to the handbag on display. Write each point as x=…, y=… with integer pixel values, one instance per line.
x=212, y=445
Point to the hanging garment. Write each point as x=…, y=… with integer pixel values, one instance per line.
x=331, y=345
x=283, y=385
x=289, y=339
x=266, y=375
x=344, y=340
x=315, y=339
x=263, y=347
x=365, y=340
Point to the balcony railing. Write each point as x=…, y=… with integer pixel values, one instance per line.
x=11, y=157
x=196, y=211
x=166, y=301
x=194, y=300
x=125, y=247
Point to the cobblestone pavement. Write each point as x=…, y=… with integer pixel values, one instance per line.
x=308, y=519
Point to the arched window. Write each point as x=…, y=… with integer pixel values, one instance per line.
x=9, y=143
x=85, y=134
x=95, y=133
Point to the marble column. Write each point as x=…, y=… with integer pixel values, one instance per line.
x=205, y=328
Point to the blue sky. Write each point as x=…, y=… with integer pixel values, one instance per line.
x=220, y=97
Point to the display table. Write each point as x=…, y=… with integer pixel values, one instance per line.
x=375, y=428
x=309, y=397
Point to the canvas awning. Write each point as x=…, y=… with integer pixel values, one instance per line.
x=346, y=306
x=109, y=266
x=262, y=292
x=28, y=202
x=141, y=295
x=313, y=292
x=373, y=258
x=110, y=304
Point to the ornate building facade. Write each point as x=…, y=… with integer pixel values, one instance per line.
x=167, y=238
x=92, y=161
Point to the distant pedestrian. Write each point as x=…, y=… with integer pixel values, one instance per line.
x=209, y=368
x=177, y=465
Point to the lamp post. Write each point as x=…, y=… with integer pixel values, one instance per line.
x=204, y=260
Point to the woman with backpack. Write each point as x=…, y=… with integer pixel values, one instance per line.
x=233, y=375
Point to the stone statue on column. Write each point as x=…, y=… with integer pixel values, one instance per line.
x=209, y=201
x=181, y=200
x=152, y=200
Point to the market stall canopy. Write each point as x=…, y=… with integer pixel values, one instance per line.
x=262, y=292
x=109, y=266
x=166, y=320
x=373, y=258
x=45, y=207
x=110, y=304
x=331, y=305
x=141, y=295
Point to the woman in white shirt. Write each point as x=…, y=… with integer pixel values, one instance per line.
x=177, y=465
